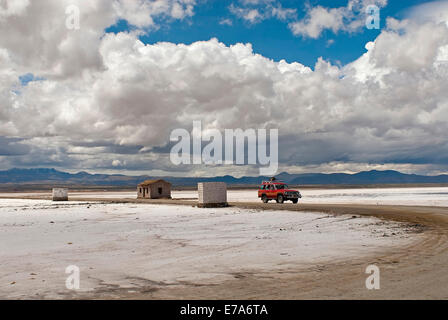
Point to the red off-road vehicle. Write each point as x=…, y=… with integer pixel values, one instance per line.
x=278, y=191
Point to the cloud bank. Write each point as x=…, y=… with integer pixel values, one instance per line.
x=106, y=102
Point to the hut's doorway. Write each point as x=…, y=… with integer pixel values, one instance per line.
x=160, y=191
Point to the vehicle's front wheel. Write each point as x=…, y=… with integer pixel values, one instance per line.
x=264, y=198
x=280, y=199
x=295, y=201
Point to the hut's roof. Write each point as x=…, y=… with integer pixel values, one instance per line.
x=151, y=182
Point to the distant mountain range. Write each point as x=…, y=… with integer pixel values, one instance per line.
x=52, y=176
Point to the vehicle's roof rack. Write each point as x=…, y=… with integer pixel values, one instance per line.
x=276, y=181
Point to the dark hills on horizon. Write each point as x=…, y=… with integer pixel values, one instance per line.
x=42, y=176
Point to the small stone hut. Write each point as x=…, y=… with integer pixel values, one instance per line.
x=154, y=189
x=212, y=195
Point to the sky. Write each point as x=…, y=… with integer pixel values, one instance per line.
x=102, y=92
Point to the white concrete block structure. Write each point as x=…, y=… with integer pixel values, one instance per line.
x=60, y=194
x=212, y=194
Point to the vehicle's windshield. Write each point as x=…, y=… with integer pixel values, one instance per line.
x=282, y=186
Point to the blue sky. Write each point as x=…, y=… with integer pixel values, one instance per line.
x=272, y=37
x=29, y=77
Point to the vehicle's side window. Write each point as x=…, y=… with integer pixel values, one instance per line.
x=262, y=187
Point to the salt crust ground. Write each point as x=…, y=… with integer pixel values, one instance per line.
x=131, y=245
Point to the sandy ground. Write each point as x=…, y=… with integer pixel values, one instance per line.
x=150, y=250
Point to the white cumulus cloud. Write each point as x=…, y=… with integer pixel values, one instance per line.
x=350, y=18
x=109, y=101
